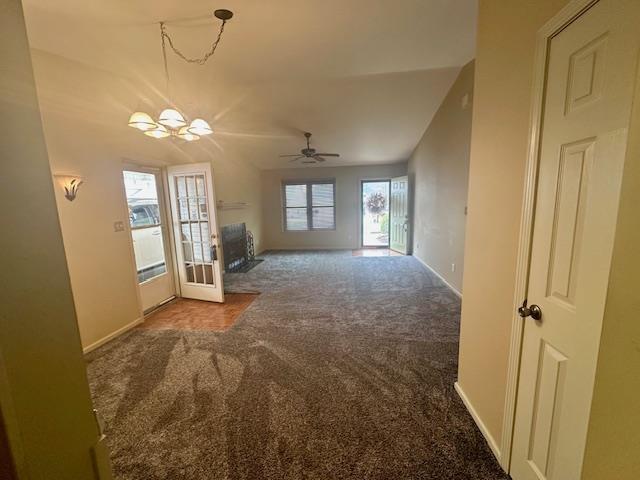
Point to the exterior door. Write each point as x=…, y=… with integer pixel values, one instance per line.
x=374, y=195
x=195, y=227
x=589, y=89
x=399, y=207
x=150, y=236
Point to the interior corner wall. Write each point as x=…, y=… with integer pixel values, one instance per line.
x=347, y=232
x=438, y=172
x=501, y=111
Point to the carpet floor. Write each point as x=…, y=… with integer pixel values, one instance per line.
x=343, y=368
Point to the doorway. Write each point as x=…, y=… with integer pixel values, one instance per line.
x=149, y=235
x=374, y=208
x=195, y=224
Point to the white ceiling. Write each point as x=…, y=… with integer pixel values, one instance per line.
x=365, y=76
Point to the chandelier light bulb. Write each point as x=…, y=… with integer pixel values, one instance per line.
x=185, y=134
x=159, y=132
x=142, y=121
x=200, y=127
x=172, y=118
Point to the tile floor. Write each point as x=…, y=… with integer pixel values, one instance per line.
x=187, y=314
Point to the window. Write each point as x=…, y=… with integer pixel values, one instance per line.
x=309, y=205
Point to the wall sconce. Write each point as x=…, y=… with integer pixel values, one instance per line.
x=70, y=184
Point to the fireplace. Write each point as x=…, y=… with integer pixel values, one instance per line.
x=237, y=248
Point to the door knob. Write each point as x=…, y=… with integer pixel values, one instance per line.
x=534, y=311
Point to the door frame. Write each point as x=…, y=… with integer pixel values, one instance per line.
x=361, y=212
x=555, y=25
x=407, y=216
x=166, y=218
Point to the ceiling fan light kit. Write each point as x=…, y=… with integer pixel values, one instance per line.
x=172, y=123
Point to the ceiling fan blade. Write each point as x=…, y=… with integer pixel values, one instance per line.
x=319, y=158
x=329, y=154
x=310, y=161
x=297, y=158
x=294, y=155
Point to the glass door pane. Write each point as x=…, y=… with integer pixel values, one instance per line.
x=193, y=216
x=145, y=220
x=375, y=213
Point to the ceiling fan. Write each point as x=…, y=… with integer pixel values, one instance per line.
x=309, y=154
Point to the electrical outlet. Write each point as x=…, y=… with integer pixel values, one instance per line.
x=118, y=226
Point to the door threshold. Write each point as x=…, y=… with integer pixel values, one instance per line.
x=159, y=305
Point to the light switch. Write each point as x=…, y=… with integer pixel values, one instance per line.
x=465, y=101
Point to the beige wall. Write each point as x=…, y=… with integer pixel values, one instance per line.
x=439, y=171
x=613, y=441
x=501, y=109
x=84, y=114
x=44, y=395
x=347, y=232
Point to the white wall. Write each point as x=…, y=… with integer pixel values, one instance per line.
x=347, y=232
x=439, y=172
x=84, y=113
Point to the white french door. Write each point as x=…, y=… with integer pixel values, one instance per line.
x=195, y=226
x=149, y=234
x=587, y=103
x=399, y=210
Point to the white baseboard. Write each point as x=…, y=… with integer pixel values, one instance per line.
x=451, y=287
x=112, y=335
x=493, y=445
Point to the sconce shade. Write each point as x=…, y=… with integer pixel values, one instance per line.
x=141, y=121
x=171, y=118
x=200, y=127
x=69, y=184
x=159, y=132
x=185, y=134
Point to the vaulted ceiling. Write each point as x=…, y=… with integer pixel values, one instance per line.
x=365, y=76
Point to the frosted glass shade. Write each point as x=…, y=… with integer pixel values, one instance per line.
x=159, y=132
x=200, y=127
x=172, y=118
x=185, y=134
x=141, y=121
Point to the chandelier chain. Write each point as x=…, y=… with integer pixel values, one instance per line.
x=200, y=61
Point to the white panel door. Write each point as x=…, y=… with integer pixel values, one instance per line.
x=195, y=226
x=588, y=96
x=399, y=210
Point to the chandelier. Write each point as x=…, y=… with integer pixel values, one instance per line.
x=172, y=123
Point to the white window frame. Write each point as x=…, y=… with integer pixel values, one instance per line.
x=309, y=184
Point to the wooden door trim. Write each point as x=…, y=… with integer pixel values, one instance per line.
x=555, y=25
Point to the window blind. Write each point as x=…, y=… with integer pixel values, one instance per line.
x=309, y=205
